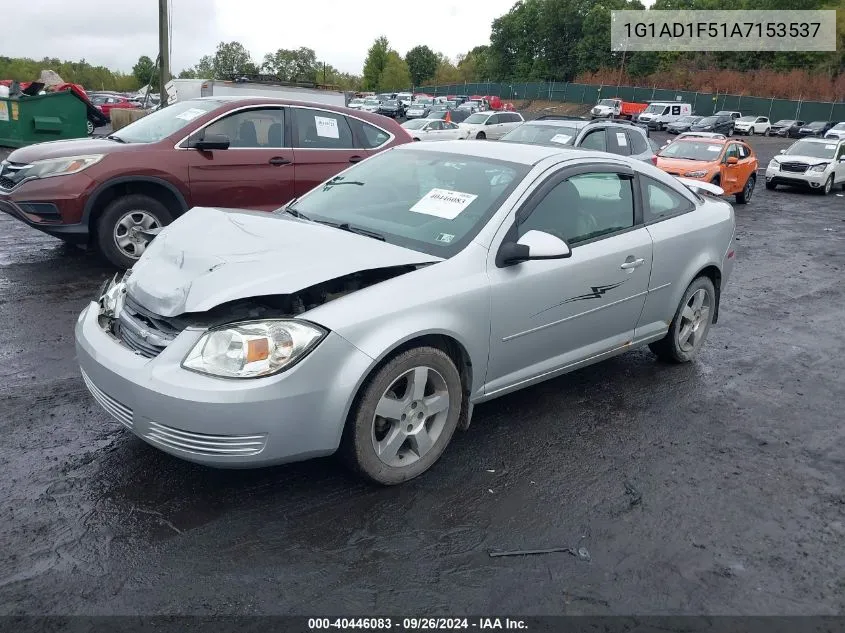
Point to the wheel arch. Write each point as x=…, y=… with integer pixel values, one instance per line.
x=164, y=191
x=714, y=274
x=438, y=339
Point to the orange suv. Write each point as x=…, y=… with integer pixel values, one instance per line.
x=728, y=163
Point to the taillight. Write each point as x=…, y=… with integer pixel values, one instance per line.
x=654, y=159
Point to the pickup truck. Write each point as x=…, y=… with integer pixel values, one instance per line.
x=616, y=108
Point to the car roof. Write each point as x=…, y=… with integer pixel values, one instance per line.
x=510, y=152
x=818, y=141
x=560, y=122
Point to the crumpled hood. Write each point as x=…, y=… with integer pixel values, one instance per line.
x=210, y=256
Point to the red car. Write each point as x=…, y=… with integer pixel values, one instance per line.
x=106, y=103
x=254, y=153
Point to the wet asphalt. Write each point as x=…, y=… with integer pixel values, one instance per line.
x=716, y=487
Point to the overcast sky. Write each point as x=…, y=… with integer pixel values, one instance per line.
x=115, y=33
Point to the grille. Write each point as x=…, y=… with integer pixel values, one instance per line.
x=121, y=412
x=202, y=444
x=797, y=168
x=142, y=331
x=9, y=174
x=6, y=183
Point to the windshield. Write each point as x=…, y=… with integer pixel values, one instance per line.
x=817, y=124
x=477, y=118
x=539, y=134
x=692, y=150
x=785, y=122
x=810, y=148
x=655, y=108
x=689, y=119
x=607, y=102
x=391, y=102
x=724, y=113
x=165, y=122
x=747, y=119
x=356, y=101
x=416, y=124
x=838, y=126
x=433, y=202
x=371, y=102
x=708, y=120
x=423, y=101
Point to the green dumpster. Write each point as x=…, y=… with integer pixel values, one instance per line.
x=47, y=117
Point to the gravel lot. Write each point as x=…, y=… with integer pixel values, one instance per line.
x=712, y=488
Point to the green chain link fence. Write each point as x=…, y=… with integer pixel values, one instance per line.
x=702, y=102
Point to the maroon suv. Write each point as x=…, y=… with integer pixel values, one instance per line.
x=253, y=153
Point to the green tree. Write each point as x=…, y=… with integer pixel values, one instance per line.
x=446, y=72
x=188, y=73
x=146, y=72
x=375, y=63
x=205, y=68
x=231, y=58
x=292, y=65
x=474, y=66
x=395, y=75
x=422, y=64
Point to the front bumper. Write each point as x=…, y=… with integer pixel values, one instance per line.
x=53, y=205
x=811, y=179
x=228, y=423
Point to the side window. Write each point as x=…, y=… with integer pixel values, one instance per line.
x=841, y=152
x=676, y=110
x=493, y=120
x=370, y=136
x=584, y=207
x=617, y=142
x=661, y=202
x=595, y=140
x=258, y=128
x=733, y=150
x=435, y=125
x=639, y=144
x=744, y=152
x=513, y=118
x=321, y=129
x=451, y=126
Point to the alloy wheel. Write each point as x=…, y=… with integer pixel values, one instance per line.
x=128, y=232
x=410, y=416
x=694, y=319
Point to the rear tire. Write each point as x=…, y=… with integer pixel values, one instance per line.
x=89, y=127
x=690, y=325
x=420, y=393
x=771, y=186
x=744, y=196
x=117, y=228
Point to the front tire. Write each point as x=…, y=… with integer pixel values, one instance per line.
x=481, y=136
x=690, y=324
x=752, y=132
x=771, y=186
x=118, y=229
x=89, y=127
x=405, y=416
x=744, y=196
x=828, y=186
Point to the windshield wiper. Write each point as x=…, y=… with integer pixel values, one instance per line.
x=112, y=137
x=333, y=183
x=295, y=213
x=345, y=226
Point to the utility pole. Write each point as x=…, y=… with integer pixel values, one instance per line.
x=164, y=50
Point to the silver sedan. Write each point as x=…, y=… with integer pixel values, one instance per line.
x=373, y=313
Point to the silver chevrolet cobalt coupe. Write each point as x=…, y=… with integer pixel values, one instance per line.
x=370, y=315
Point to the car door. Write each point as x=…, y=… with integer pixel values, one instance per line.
x=731, y=174
x=256, y=172
x=510, y=121
x=551, y=314
x=323, y=145
x=493, y=127
x=435, y=131
x=839, y=167
x=451, y=131
x=762, y=125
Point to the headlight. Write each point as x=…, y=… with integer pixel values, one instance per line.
x=696, y=174
x=62, y=166
x=253, y=349
x=819, y=167
x=773, y=164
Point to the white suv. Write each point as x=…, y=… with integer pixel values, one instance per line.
x=752, y=125
x=818, y=163
x=490, y=124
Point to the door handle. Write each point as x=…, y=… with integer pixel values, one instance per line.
x=356, y=159
x=278, y=160
x=630, y=265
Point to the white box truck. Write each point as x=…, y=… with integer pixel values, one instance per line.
x=659, y=113
x=294, y=92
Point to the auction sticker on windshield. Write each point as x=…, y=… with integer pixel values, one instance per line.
x=563, y=139
x=830, y=146
x=443, y=203
x=326, y=127
x=190, y=114
x=620, y=139
x=714, y=148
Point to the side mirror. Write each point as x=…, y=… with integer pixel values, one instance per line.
x=842, y=159
x=532, y=245
x=783, y=151
x=210, y=142
x=732, y=160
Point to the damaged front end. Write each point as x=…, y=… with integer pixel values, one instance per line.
x=148, y=334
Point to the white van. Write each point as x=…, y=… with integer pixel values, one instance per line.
x=658, y=114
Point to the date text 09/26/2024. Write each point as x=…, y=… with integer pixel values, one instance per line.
x=416, y=624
